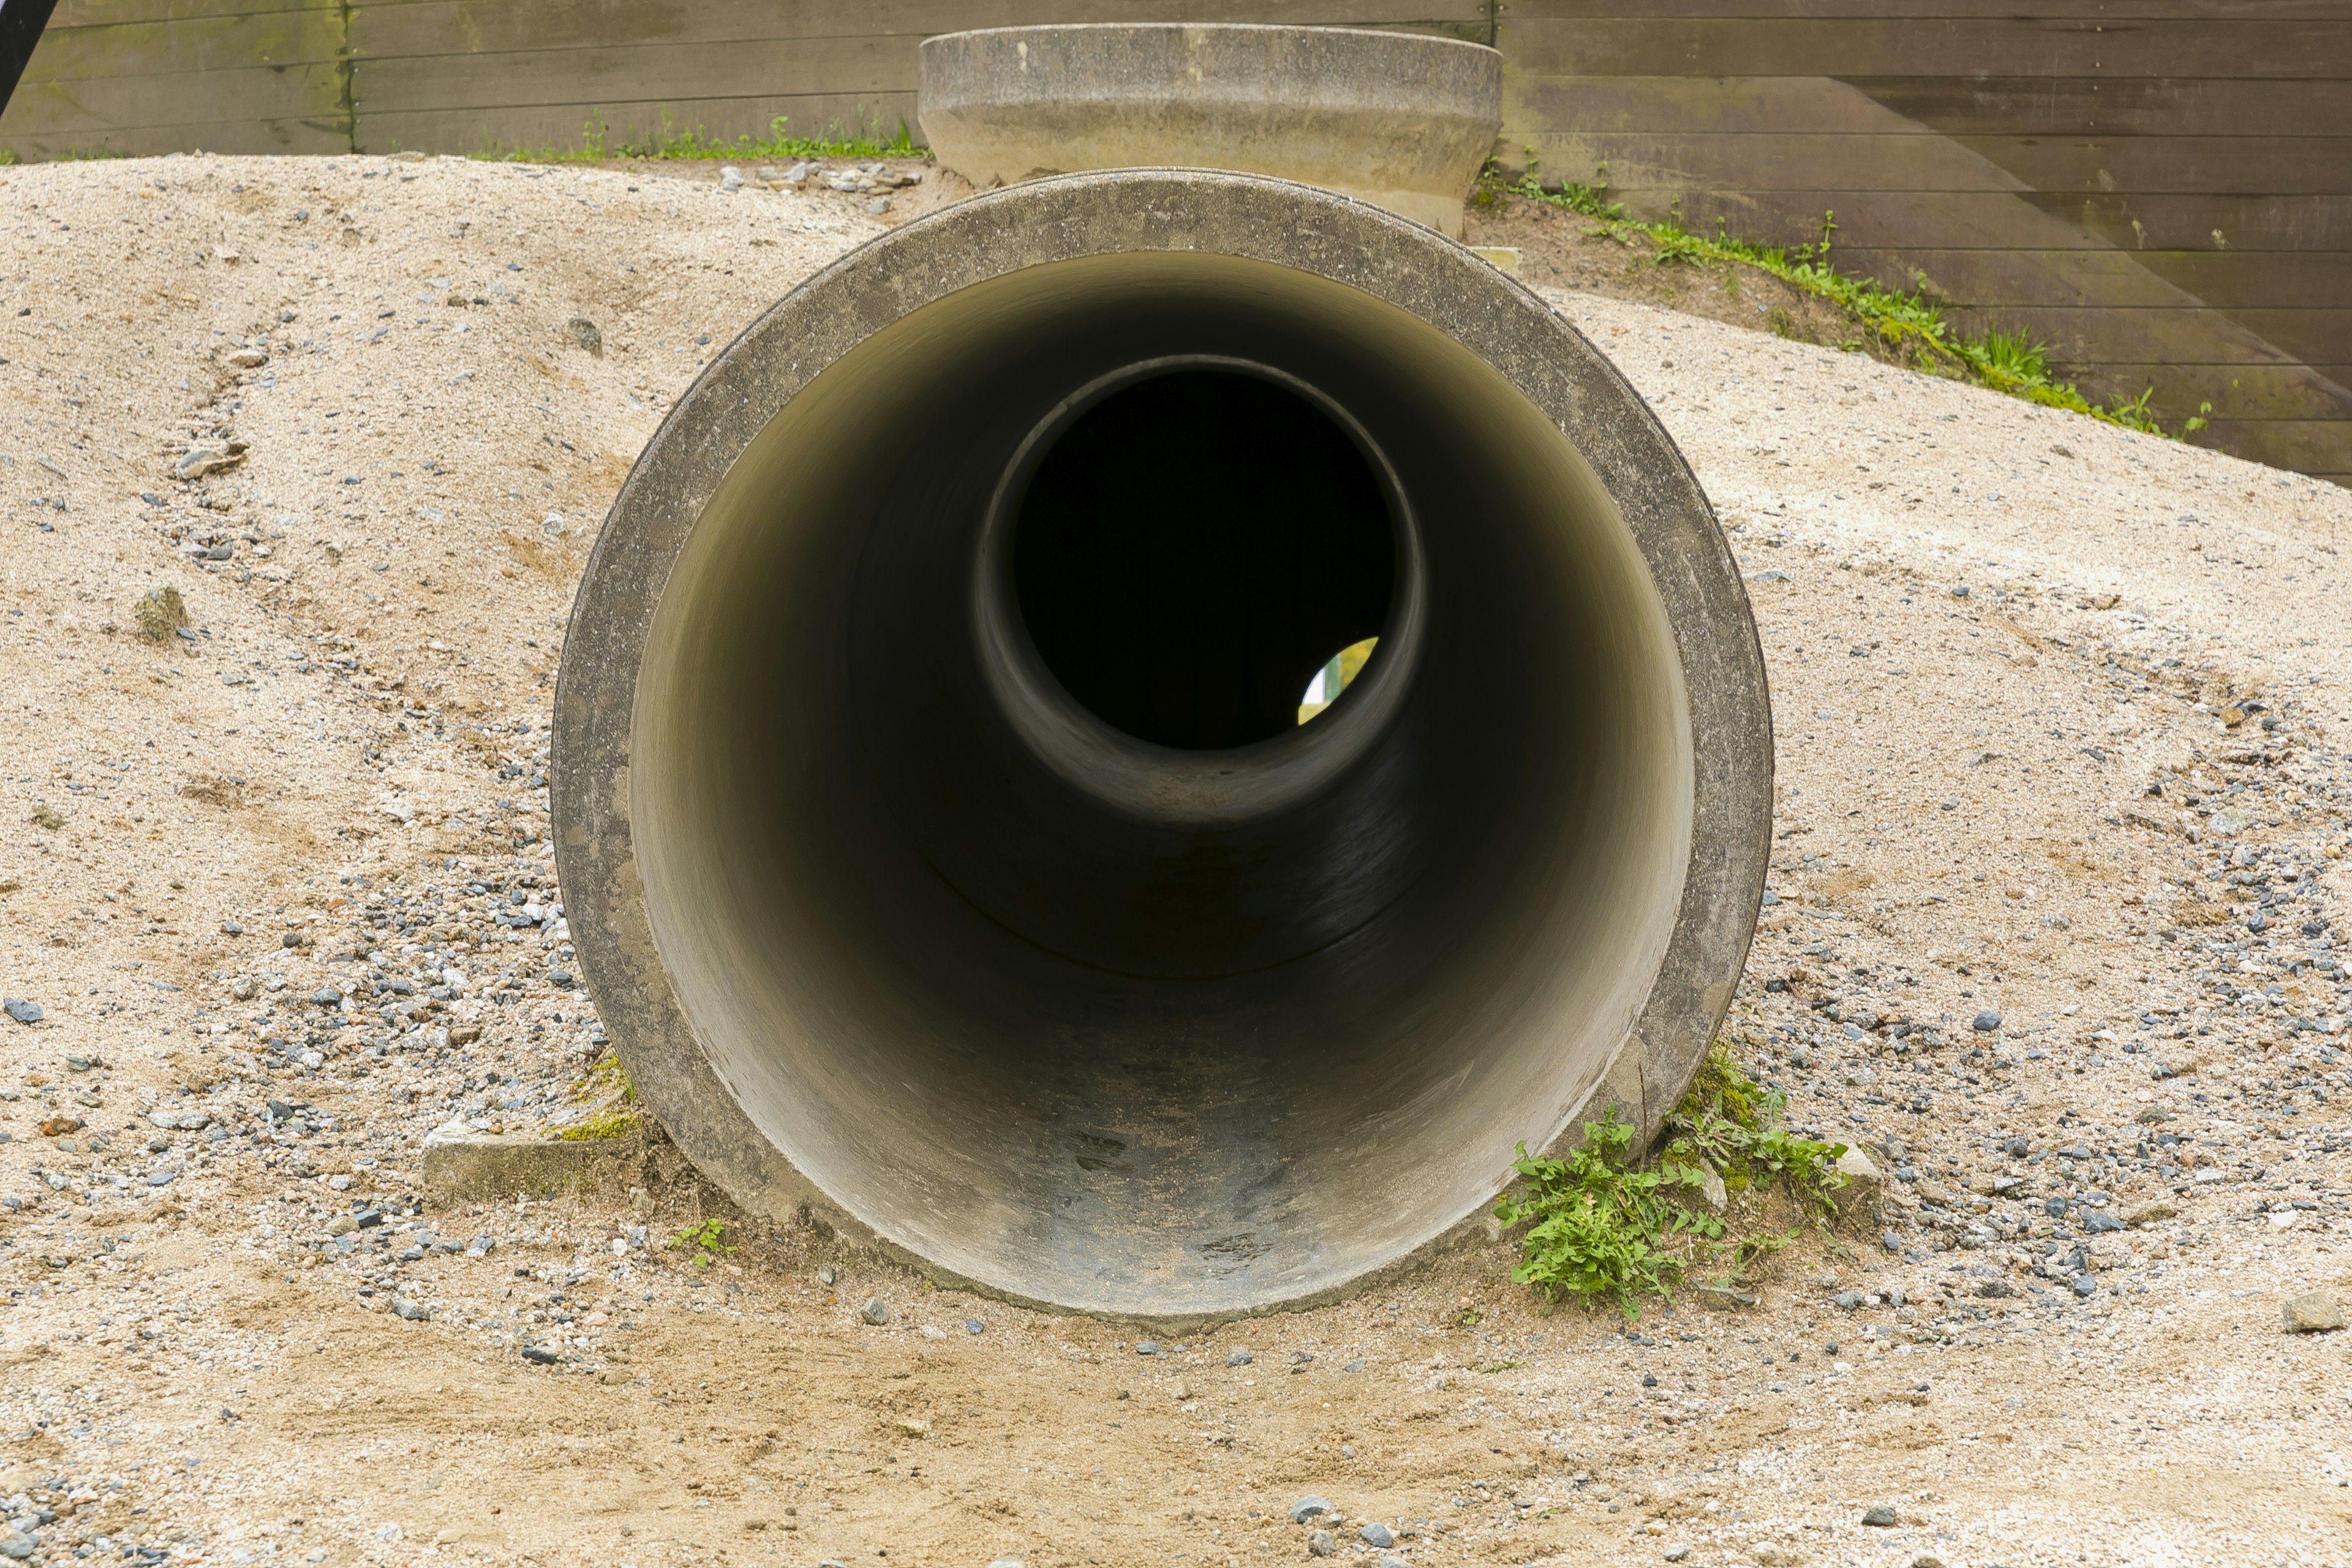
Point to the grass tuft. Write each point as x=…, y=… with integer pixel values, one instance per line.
x=1904, y=326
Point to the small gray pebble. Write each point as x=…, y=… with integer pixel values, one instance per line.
x=1307, y=1508
x=1986, y=1021
x=1239, y=1357
x=825, y=1275
x=974, y=1326
x=1146, y=1347
x=874, y=1312
x=1320, y=1543
x=24, y=1012
x=1376, y=1534
x=1880, y=1518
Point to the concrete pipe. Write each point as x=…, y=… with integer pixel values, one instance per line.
x=941, y=838
x=1399, y=120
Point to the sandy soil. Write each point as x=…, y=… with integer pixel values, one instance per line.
x=2063, y=797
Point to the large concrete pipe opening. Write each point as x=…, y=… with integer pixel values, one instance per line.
x=940, y=838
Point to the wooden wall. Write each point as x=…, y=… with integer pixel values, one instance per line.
x=2160, y=189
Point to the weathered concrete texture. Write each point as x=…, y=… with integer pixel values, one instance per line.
x=478, y=1167
x=892, y=936
x=1397, y=120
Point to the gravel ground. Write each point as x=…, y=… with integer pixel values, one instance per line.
x=2055, y=930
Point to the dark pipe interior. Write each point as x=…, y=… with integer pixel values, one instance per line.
x=1192, y=548
x=1030, y=983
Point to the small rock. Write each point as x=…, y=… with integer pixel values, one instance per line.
x=2099, y=1221
x=1239, y=1357
x=1376, y=1534
x=1306, y=1508
x=1986, y=1021
x=909, y=1427
x=825, y=1275
x=1927, y=1560
x=730, y=178
x=539, y=1356
x=1146, y=1347
x=1880, y=1518
x=582, y=330
x=1321, y=1543
x=974, y=1326
x=874, y=1312
x=24, y=1012
x=341, y=1225
x=2312, y=1313
x=408, y=1310
x=1676, y=1554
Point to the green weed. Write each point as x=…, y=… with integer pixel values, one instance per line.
x=1597, y=1224
x=1604, y=1223
x=668, y=141
x=703, y=1237
x=1907, y=327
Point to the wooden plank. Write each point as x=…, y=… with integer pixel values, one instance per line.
x=1850, y=160
x=1990, y=277
x=2091, y=335
x=619, y=77
x=2301, y=445
x=2201, y=165
x=2133, y=106
x=560, y=127
x=2313, y=336
x=204, y=44
x=2187, y=220
x=2237, y=391
x=441, y=27
x=1875, y=46
x=2234, y=279
x=2096, y=11
x=1959, y=221
x=113, y=12
x=1589, y=105
x=2009, y=106
x=255, y=136
x=149, y=114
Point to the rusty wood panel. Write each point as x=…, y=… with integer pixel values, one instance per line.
x=1987, y=278
x=204, y=44
x=1959, y=221
x=2304, y=445
x=293, y=108
x=2245, y=280
x=2290, y=165
x=250, y=135
x=2079, y=106
x=2322, y=336
x=2201, y=165
x=112, y=13
x=2189, y=221
x=558, y=127
x=441, y=27
x=2093, y=12
x=2083, y=336
x=1534, y=105
x=2237, y=391
x=637, y=74
x=1881, y=48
